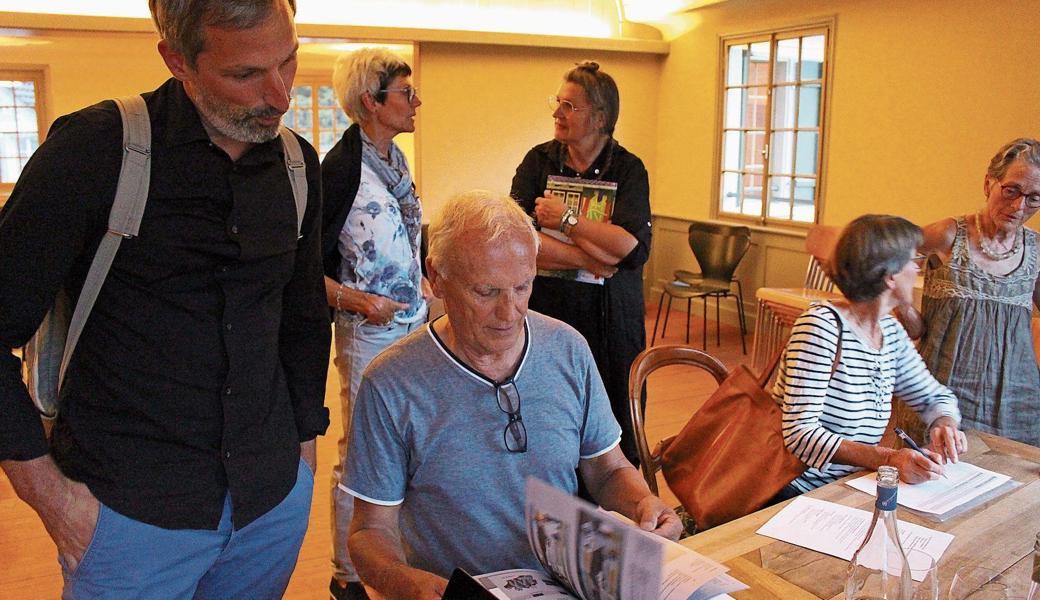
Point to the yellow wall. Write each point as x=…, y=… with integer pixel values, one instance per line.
x=484, y=107
x=85, y=68
x=924, y=92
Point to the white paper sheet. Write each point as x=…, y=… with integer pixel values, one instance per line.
x=838, y=530
x=963, y=483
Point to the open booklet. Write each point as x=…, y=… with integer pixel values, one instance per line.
x=595, y=555
x=590, y=198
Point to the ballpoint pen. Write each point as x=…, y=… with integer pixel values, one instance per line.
x=910, y=442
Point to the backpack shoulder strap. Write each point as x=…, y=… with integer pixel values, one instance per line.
x=124, y=219
x=297, y=173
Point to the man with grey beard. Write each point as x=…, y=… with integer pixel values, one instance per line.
x=181, y=463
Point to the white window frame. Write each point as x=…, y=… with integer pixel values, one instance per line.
x=825, y=27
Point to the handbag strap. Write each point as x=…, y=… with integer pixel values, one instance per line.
x=774, y=362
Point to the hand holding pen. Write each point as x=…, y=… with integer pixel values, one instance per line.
x=913, y=445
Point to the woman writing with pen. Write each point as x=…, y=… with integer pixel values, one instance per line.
x=845, y=360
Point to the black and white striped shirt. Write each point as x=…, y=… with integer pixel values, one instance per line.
x=820, y=410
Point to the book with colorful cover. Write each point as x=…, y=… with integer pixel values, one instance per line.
x=590, y=198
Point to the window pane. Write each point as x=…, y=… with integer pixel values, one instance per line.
x=325, y=96
x=804, y=200
x=735, y=65
x=342, y=122
x=305, y=119
x=780, y=152
x=812, y=57
x=753, y=145
x=731, y=150
x=7, y=93
x=303, y=96
x=308, y=135
x=27, y=119
x=752, y=195
x=780, y=197
x=783, y=106
x=734, y=102
x=326, y=140
x=8, y=144
x=325, y=118
x=755, y=108
x=805, y=155
x=9, y=170
x=289, y=118
x=7, y=119
x=25, y=93
x=809, y=105
x=731, y=192
x=786, y=67
x=28, y=143
x=758, y=64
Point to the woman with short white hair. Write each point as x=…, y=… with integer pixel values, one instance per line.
x=372, y=235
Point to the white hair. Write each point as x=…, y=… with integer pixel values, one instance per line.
x=494, y=216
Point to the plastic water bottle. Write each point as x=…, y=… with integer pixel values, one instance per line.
x=1034, y=584
x=879, y=569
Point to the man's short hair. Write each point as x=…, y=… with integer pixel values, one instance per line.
x=871, y=248
x=495, y=216
x=181, y=22
x=366, y=70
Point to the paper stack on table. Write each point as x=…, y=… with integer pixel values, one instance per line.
x=963, y=483
x=838, y=530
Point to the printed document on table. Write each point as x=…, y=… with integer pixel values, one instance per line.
x=963, y=483
x=838, y=530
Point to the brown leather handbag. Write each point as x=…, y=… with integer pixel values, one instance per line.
x=729, y=459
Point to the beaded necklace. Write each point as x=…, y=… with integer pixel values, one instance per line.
x=984, y=243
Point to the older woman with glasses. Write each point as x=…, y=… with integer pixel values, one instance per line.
x=979, y=296
x=608, y=313
x=372, y=228
x=845, y=360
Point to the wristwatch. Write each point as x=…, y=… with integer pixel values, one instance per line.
x=568, y=221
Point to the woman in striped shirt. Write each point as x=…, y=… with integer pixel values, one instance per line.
x=834, y=421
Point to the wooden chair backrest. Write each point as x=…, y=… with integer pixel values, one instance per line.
x=819, y=243
x=646, y=363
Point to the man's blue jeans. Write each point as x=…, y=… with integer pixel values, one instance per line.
x=131, y=559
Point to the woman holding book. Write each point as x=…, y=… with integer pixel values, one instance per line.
x=609, y=312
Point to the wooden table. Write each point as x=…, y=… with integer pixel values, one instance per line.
x=998, y=534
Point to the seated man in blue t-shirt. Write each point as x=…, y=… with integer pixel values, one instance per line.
x=450, y=421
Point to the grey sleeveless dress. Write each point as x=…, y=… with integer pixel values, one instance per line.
x=978, y=342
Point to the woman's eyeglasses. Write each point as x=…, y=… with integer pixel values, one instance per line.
x=1012, y=192
x=515, y=434
x=920, y=261
x=409, y=92
x=568, y=107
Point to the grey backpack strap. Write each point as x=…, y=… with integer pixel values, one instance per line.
x=124, y=219
x=297, y=173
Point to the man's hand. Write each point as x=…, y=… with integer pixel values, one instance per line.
x=67, y=508
x=309, y=454
x=946, y=439
x=418, y=585
x=549, y=211
x=654, y=515
x=914, y=467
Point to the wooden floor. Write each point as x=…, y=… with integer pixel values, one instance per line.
x=30, y=570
